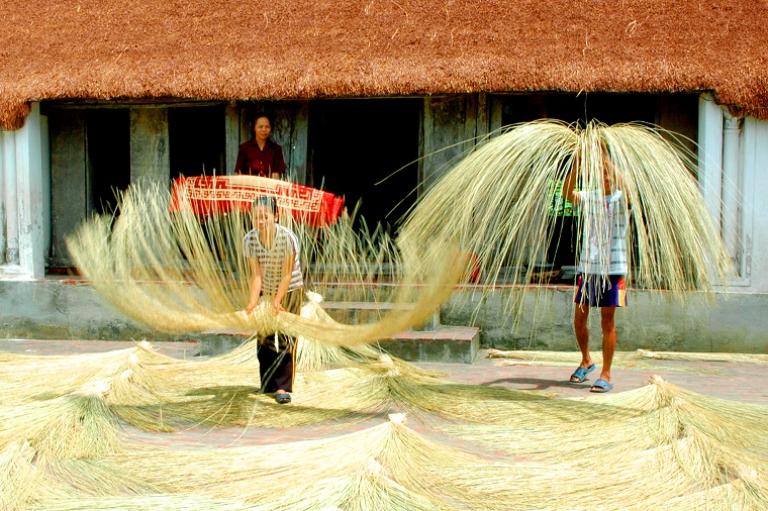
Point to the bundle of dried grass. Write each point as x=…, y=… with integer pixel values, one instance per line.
x=316, y=356
x=158, y=393
x=75, y=425
x=147, y=502
x=659, y=445
x=499, y=200
x=701, y=446
x=390, y=466
x=754, y=358
x=31, y=377
x=18, y=476
x=178, y=274
x=383, y=467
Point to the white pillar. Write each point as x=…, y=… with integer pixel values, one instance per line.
x=710, y=141
x=30, y=194
x=732, y=192
x=754, y=158
x=45, y=167
x=11, y=255
x=2, y=199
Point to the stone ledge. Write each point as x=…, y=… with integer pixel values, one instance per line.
x=443, y=344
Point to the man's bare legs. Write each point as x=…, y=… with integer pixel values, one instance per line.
x=608, y=326
x=581, y=328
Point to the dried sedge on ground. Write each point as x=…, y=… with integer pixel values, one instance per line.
x=683, y=448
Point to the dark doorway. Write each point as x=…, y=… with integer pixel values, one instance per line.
x=196, y=137
x=366, y=149
x=109, y=157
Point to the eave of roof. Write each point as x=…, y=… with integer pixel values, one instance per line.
x=301, y=49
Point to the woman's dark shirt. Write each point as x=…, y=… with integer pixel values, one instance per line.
x=257, y=162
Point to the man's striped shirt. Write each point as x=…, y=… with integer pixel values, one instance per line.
x=604, y=233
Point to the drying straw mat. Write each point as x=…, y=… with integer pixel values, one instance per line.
x=664, y=447
x=640, y=358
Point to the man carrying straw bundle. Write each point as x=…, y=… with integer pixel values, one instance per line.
x=273, y=256
x=600, y=281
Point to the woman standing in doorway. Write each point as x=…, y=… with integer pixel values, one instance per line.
x=260, y=156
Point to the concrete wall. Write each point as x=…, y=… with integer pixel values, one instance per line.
x=62, y=309
x=725, y=322
x=65, y=309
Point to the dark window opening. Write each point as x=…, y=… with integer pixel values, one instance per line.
x=605, y=107
x=109, y=160
x=196, y=141
x=366, y=150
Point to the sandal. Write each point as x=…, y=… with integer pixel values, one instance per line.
x=283, y=398
x=580, y=374
x=601, y=386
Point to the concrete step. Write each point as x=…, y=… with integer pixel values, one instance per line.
x=365, y=292
x=458, y=344
x=442, y=344
x=432, y=342
x=356, y=313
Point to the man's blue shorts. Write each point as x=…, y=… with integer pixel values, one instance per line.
x=599, y=291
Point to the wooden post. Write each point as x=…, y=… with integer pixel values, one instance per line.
x=70, y=200
x=150, y=156
x=496, y=110
x=299, y=143
x=483, y=120
x=232, y=138
x=449, y=131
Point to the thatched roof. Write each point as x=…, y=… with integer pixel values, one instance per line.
x=246, y=49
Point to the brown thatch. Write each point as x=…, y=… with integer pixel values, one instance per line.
x=225, y=49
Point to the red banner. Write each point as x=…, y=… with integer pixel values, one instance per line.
x=209, y=195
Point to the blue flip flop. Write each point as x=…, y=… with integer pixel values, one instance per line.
x=580, y=374
x=601, y=386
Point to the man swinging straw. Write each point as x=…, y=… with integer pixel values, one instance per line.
x=273, y=255
x=602, y=266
